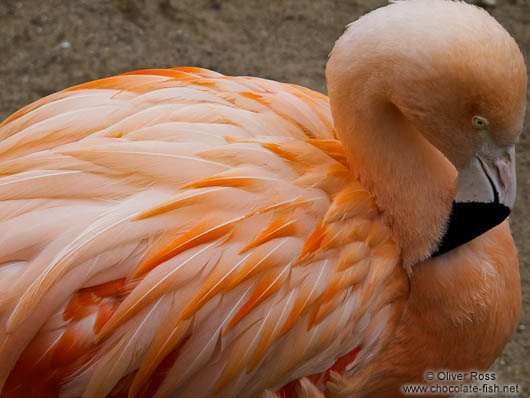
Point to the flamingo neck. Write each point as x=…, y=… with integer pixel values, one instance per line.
x=412, y=182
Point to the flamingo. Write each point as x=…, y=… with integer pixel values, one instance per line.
x=180, y=233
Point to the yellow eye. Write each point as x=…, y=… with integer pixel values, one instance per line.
x=479, y=122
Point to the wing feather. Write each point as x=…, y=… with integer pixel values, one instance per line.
x=125, y=355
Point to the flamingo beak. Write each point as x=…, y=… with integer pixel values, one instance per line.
x=484, y=196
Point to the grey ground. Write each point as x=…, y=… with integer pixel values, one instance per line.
x=49, y=45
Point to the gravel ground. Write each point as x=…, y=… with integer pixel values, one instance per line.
x=49, y=45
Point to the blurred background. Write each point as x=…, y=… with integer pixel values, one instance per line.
x=48, y=45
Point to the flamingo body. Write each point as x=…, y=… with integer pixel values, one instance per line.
x=183, y=238
x=180, y=233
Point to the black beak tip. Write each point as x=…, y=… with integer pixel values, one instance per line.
x=469, y=220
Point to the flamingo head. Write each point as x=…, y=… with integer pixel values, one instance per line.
x=443, y=83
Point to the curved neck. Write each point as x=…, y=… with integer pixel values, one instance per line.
x=457, y=318
x=412, y=182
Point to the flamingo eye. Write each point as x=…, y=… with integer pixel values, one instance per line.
x=479, y=122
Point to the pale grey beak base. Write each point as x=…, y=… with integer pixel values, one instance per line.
x=489, y=176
